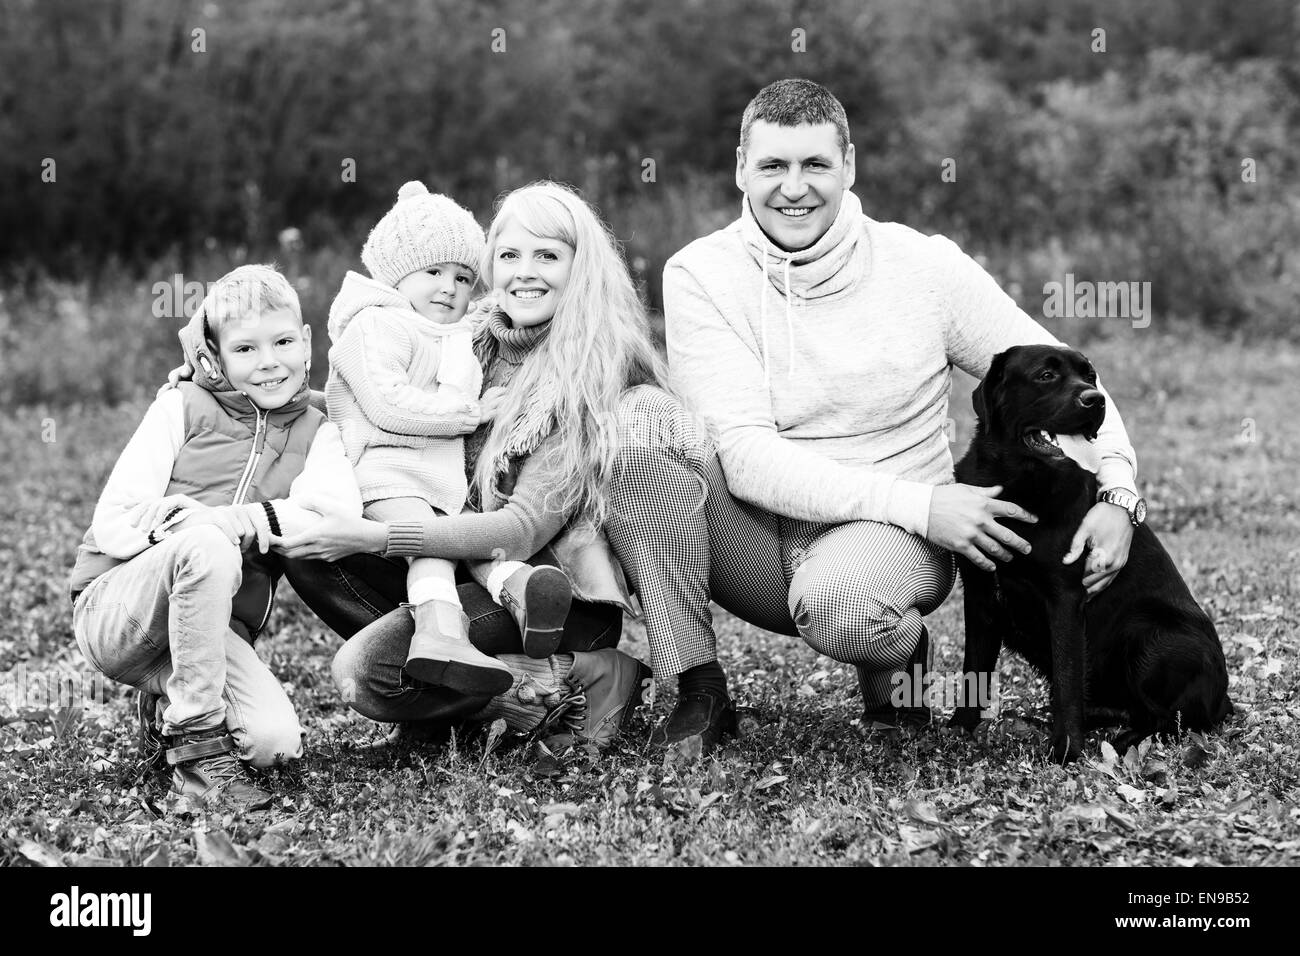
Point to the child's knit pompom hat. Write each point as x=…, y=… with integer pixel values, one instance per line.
x=420, y=231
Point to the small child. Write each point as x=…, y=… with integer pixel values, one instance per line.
x=404, y=389
x=173, y=580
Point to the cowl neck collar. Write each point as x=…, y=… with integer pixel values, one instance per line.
x=832, y=264
x=514, y=343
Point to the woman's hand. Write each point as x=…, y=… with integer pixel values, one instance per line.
x=337, y=534
x=1106, y=533
x=181, y=373
x=963, y=519
x=490, y=404
x=235, y=521
x=149, y=515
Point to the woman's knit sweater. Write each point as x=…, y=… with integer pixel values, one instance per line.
x=523, y=525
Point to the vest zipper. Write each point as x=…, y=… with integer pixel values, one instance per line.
x=266, y=615
x=259, y=442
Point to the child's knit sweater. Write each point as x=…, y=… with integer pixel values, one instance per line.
x=827, y=371
x=403, y=390
x=521, y=526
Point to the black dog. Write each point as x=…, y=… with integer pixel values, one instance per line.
x=1142, y=646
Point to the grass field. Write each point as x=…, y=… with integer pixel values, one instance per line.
x=1219, y=447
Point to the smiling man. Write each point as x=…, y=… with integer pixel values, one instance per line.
x=819, y=343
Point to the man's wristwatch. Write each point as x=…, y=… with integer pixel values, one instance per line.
x=1134, y=505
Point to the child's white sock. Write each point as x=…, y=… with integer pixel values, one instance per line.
x=496, y=579
x=431, y=579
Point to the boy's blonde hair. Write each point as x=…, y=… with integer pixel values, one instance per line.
x=246, y=294
x=598, y=346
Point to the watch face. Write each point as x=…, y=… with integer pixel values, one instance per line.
x=1140, y=511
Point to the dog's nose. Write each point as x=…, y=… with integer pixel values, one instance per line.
x=1090, y=397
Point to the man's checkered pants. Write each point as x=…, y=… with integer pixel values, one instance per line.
x=855, y=591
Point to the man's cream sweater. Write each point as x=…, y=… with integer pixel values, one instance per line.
x=827, y=371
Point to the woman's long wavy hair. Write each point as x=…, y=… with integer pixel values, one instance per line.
x=599, y=344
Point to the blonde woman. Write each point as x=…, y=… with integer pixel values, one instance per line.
x=586, y=444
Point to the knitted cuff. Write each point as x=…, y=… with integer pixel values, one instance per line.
x=156, y=533
x=271, y=519
x=405, y=539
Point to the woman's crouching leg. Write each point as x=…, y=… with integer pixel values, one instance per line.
x=368, y=672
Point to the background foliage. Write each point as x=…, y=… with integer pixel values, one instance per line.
x=1116, y=166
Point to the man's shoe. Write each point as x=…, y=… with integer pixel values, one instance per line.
x=611, y=684
x=912, y=714
x=887, y=717
x=538, y=599
x=699, y=714
x=206, y=766
x=441, y=653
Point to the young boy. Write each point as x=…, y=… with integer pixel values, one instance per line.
x=173, y=580
x=404, y=389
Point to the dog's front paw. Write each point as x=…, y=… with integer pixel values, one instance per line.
x=965, y=718
x=1066, y=747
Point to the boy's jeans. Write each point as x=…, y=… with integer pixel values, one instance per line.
x=161, y=623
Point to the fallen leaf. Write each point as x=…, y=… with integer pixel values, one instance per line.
x=518, y=832
x=496, y=731
x=1130, y=793
x=915, y=839
x=40, y=854
x=159, y=857
x=767, y=782
x=1084, y=813
x=1108, y=755
x=1123, y=819
x=925, y=813
x=215, y=849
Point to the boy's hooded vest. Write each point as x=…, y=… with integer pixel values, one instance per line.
x=232, y=452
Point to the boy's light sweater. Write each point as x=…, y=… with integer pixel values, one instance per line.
x=830, y=402
x=144, y=469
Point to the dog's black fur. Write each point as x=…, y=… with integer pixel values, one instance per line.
x=1142, y=646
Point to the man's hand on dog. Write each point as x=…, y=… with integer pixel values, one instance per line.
x=1105, y=533
x=963, y=518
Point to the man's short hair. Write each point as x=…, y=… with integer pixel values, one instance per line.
x=248, y=292
x=793, y=102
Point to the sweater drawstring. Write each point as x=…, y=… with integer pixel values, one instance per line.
x=762, y=320
x=789, y=322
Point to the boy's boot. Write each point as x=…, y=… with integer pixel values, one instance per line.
x=611, y=684
x=539, y=600
x=153, y=745
x=441, y=653
x=205, y=765
x=914, y=713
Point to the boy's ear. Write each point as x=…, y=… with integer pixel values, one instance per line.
x=306, y=334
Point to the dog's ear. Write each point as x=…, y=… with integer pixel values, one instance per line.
x=984, y=397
